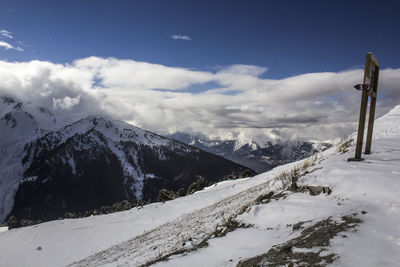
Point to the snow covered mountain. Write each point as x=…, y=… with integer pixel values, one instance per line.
x=319, y=211
x=258, y=157
x=50, y=165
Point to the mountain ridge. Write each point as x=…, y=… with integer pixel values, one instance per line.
x=248, y=220
x=251, y=154
x=90, y=163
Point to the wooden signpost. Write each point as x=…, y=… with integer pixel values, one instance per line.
x=368, y=88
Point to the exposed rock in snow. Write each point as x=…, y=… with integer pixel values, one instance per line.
x=363, y=211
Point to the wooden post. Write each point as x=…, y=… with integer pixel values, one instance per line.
x=374, y=93
x=371, y=118
x=371, y=75
x=363, y=111
x=361, y=125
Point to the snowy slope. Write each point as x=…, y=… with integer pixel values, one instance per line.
x=51, y=165
x=185, y=228
x=112, y=135
x=20, y=123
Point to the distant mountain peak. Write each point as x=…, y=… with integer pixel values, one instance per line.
x=259, y=157
x=48, y=167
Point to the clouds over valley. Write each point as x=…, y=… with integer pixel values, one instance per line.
x=235, y=100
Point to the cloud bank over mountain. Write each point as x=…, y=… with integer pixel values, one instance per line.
x=239, y=103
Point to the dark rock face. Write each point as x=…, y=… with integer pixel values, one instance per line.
x=96, y=181
x=95, y=163
x=183, y=169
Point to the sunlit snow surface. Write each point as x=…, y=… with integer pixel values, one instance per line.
x=133, y=237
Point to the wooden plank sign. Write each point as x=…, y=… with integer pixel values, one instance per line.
x=369, y=87
x=374, y=74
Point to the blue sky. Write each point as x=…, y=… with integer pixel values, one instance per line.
x=288, y=37
x=245, y=69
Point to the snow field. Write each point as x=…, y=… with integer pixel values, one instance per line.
x=141, y=235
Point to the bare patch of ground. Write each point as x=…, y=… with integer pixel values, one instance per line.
x=309, y=249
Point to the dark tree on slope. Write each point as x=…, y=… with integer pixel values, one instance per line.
x=82, y=173
x=98, y=181
x=180, y=170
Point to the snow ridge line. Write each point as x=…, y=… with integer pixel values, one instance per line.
x=185, y=233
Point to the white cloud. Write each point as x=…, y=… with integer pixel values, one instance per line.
x=9, y=46
x=66, y=102
x=181, y=37
x=6, y=34
x=153, y=96
x=244, y=70
x=130, y=74
x=5, y=45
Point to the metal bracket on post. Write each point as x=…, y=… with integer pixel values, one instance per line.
x=369, y=88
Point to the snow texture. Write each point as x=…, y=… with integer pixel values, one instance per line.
x=178, y=227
